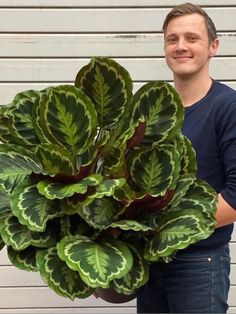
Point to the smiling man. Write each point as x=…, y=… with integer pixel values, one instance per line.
x=197, y=280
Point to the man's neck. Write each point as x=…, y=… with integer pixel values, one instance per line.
x=191, y=90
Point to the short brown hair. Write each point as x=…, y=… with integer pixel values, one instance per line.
x=190, y=8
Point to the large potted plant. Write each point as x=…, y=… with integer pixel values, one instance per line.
x=98, y=182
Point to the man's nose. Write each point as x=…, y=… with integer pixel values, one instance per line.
x=181, y=44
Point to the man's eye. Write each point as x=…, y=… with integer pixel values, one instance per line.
x=171, y=40
x=192, y=38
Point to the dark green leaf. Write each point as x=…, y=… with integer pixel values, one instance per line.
x=97, y=263
x=25, y=259
x=68, y=118
x=109, y=86
x=59, y=277
x=161, y=106
x=33, y=209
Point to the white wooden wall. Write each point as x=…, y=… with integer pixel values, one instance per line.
x=45, y=42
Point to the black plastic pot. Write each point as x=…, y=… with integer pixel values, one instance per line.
x=112, y=296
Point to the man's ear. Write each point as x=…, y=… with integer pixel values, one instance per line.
x=213, y=47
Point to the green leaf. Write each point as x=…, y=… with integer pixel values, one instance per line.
x=136, y=277
x=109, y=86
x=176, y=230
x=183, y=184
x=53, y=190
x=101, y=212
x=21, y=124
x=5, y=135
x=25, y=260
x=2, y=244
x=97, y=263
x=162, y=108
x=59, y=277
x=204, y=198
x=188, y=162
x=20, y=237
x=15, y=165
x=33, y=209
x=68, y=118
x=130, y=225
x=55, y=159
x=152, y=169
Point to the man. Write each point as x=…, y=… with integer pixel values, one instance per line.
x=197, y=280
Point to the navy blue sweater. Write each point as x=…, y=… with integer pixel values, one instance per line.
x=210, y=124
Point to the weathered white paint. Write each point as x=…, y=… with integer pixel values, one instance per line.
x=97, y=20
x=81, y=45
x=65, y=69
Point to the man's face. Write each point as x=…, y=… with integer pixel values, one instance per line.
x=187, y=47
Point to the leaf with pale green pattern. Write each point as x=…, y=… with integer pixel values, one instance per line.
x=109, y=86
x=176, y=230
x=59, y=277
x=203, y=197
x=130, y=225
x=5, y=135
x=162, y=108
x=55, y=159
x=25, y=259
x=97, y=262
x=188, y=162
x=33, y=209
x=101, y=212
x=136, y=277
x=183, y=184
x=20, y=237
x=152, y=169
x=16, y=166
x=53, y=190
x=21, y=125
x=68, y=118
x=74, y=204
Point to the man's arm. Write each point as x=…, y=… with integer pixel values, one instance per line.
x=225, y=214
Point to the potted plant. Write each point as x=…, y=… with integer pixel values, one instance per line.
x=98, y=182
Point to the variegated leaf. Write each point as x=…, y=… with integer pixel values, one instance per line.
x=25, y=260
x=5, y=135
x=53, y=190
x=109, y=86
x=204, y=198
x=97, y=262
x=59, y=277
x=15, y=165
x=101, y=212
x=176, y=230
x=21, y=124
x=136, y=277
x=33, y=209
x=85, y=158
x=182, y=186
x=20, y=237
x=55, y=159
x=130, y=225
x=74, y=204
x=68, y=118
x=152, y=169
x=188, y=162
x=162, y=108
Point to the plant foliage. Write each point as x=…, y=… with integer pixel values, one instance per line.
x=98, y=182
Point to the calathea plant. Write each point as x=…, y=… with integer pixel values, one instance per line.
x=98, y=182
